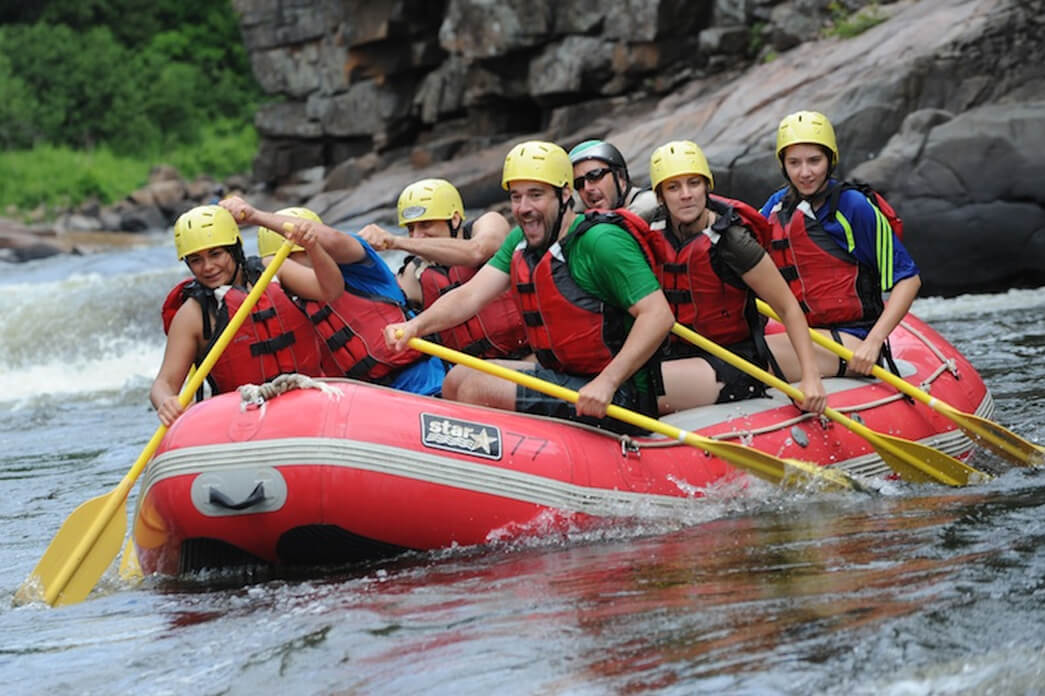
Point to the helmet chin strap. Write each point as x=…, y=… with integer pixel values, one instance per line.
x=620, y=194
x=553, y=232
x=241, y=262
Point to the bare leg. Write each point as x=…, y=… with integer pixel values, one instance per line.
x=826, y=361
x=688, y=383
x=474, y=387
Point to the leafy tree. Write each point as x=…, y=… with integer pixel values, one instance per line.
x=137, y=78
x=17, y=109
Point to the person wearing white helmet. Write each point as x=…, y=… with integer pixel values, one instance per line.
x=351, y=327
x=837, y=249
x=594, y=312
x=276, y=339
x=445, y=250
x=602, y=182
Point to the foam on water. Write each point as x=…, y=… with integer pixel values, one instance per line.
x=931, y=308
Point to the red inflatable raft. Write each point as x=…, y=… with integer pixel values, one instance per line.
x=354, y=471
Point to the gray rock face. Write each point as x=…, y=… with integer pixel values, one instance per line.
x=939, y=106
x=969, y=188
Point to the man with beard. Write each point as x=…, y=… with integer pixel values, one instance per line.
x=594, y=311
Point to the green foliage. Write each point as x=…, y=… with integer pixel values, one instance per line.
x=58, y=176
x=846, y=25
x=81, y=75
x=756, y=38
x=18, y=109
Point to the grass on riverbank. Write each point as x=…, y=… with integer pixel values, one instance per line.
x=58, y=178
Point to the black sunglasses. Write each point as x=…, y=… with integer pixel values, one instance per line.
x=592, y=176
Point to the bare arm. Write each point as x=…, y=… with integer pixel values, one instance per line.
x=896, y=307
x=183, y=341
x=451, y=309
x=409, y=283
x=653, y=321
x=488, y=233
x=768, y=284
x=323, y=281
x=343, y=248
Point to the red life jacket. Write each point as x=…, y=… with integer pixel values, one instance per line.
x=831, y=285
x=705, y=295
x=568, y=329
x=497, y=331
x=275, y=339
x=352, y=329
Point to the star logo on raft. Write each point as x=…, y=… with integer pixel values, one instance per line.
x=456, y=435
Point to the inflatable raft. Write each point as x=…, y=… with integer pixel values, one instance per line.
x=351, y=471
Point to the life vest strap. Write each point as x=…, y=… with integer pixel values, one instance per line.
x=263, y=315
x=533, y=319
x=790, y=273
x=526, y=287
x=677, y=297
x=546, y=357
x=272, y=345
x=321, y=315
x=447, y=288
x=784, y=243
x=478, y=347
x=341, y=337
x=362, y=369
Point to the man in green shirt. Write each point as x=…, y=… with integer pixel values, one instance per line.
x=594, y=310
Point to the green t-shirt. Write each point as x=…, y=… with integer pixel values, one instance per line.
x=605, y=262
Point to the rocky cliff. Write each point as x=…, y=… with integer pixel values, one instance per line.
x=940, y=104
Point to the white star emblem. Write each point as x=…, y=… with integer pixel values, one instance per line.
x=482, y=439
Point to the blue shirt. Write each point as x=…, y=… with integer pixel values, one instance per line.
x=862, y=230
x=372, y=275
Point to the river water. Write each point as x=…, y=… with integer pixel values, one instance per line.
x=923, y=590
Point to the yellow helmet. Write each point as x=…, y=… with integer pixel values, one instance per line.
x=806, y=127
x=535, y=160
x=269, y=241
x=429, y=199
x=676, y=158
x=204, y=227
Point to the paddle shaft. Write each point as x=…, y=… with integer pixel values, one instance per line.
x=763, y=465
x=995, y=437
x=913, y=461
x=117, y=498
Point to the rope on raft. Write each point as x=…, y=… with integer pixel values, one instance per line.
x=255, y=395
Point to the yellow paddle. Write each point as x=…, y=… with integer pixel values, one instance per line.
x=989, y=434
x=90, y=538
x=765, y=466
x=913, y=461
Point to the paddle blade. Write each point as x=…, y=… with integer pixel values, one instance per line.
x=789, y=472
x=808, y=475
x=60, y=556
x=130, y=568
x=995, y=437
x=919, y=463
